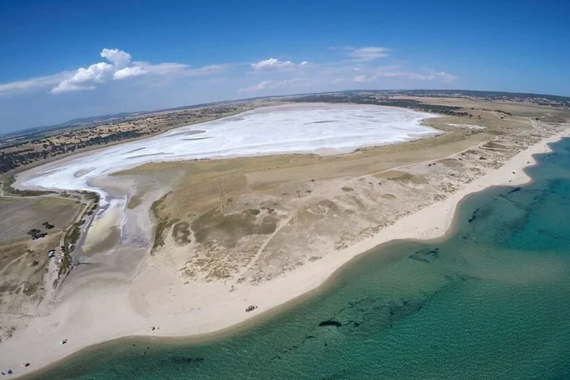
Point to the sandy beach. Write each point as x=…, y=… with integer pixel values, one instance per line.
x=150, y=300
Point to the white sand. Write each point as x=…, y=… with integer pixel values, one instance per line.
x=115, y=305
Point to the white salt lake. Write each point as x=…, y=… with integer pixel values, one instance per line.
x=311, y=128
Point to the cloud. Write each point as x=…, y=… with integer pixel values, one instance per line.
x=129, y=72
x=271, y=84
x=32, y=84
x=169, y=69
x=360, y=65
x=214, y=68
x=118, y=67
x=441, y=75
x=359, y=69
x=366, y=54
x=121, y=67
x=182, y=70
x=362, y=78
x=262, y=86
x=119, y=58
x=272, y=64
x=275, y=64
x=87, y=78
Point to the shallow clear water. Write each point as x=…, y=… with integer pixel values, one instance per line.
x=491, y=301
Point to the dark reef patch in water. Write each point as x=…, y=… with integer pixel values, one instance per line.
x=474, y=215
x=186, y=360
x=515, y=190
x=330, y=323
x=425, y=255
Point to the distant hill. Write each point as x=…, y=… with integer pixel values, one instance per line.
x=96, y=119
x=71, y=123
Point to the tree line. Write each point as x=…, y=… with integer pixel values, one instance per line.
x=363, y=98
x=12, y=160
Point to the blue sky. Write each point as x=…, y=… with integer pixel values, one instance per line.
x=67, y=59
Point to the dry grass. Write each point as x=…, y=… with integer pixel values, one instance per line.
x=404, y=177
x=22, y=268
x=19, y=215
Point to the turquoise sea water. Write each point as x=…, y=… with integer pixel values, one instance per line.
x=490, y=302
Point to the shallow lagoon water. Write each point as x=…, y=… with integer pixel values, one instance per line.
x=491, y=300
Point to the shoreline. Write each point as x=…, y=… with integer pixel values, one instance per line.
x=432, y=222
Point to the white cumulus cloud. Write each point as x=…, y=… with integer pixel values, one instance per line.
x=119, y=58
x=129, y=72
x=271, y=64
x=122, y=67
x=88, y=78
x=85, y=78
x=275, y=64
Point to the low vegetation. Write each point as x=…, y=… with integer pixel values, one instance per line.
x=8, y=188
x=36, y=234
x=372, y=99
x=73, y=235
x=162, y=223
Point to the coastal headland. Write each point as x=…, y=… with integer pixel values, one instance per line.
x=183, y=246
